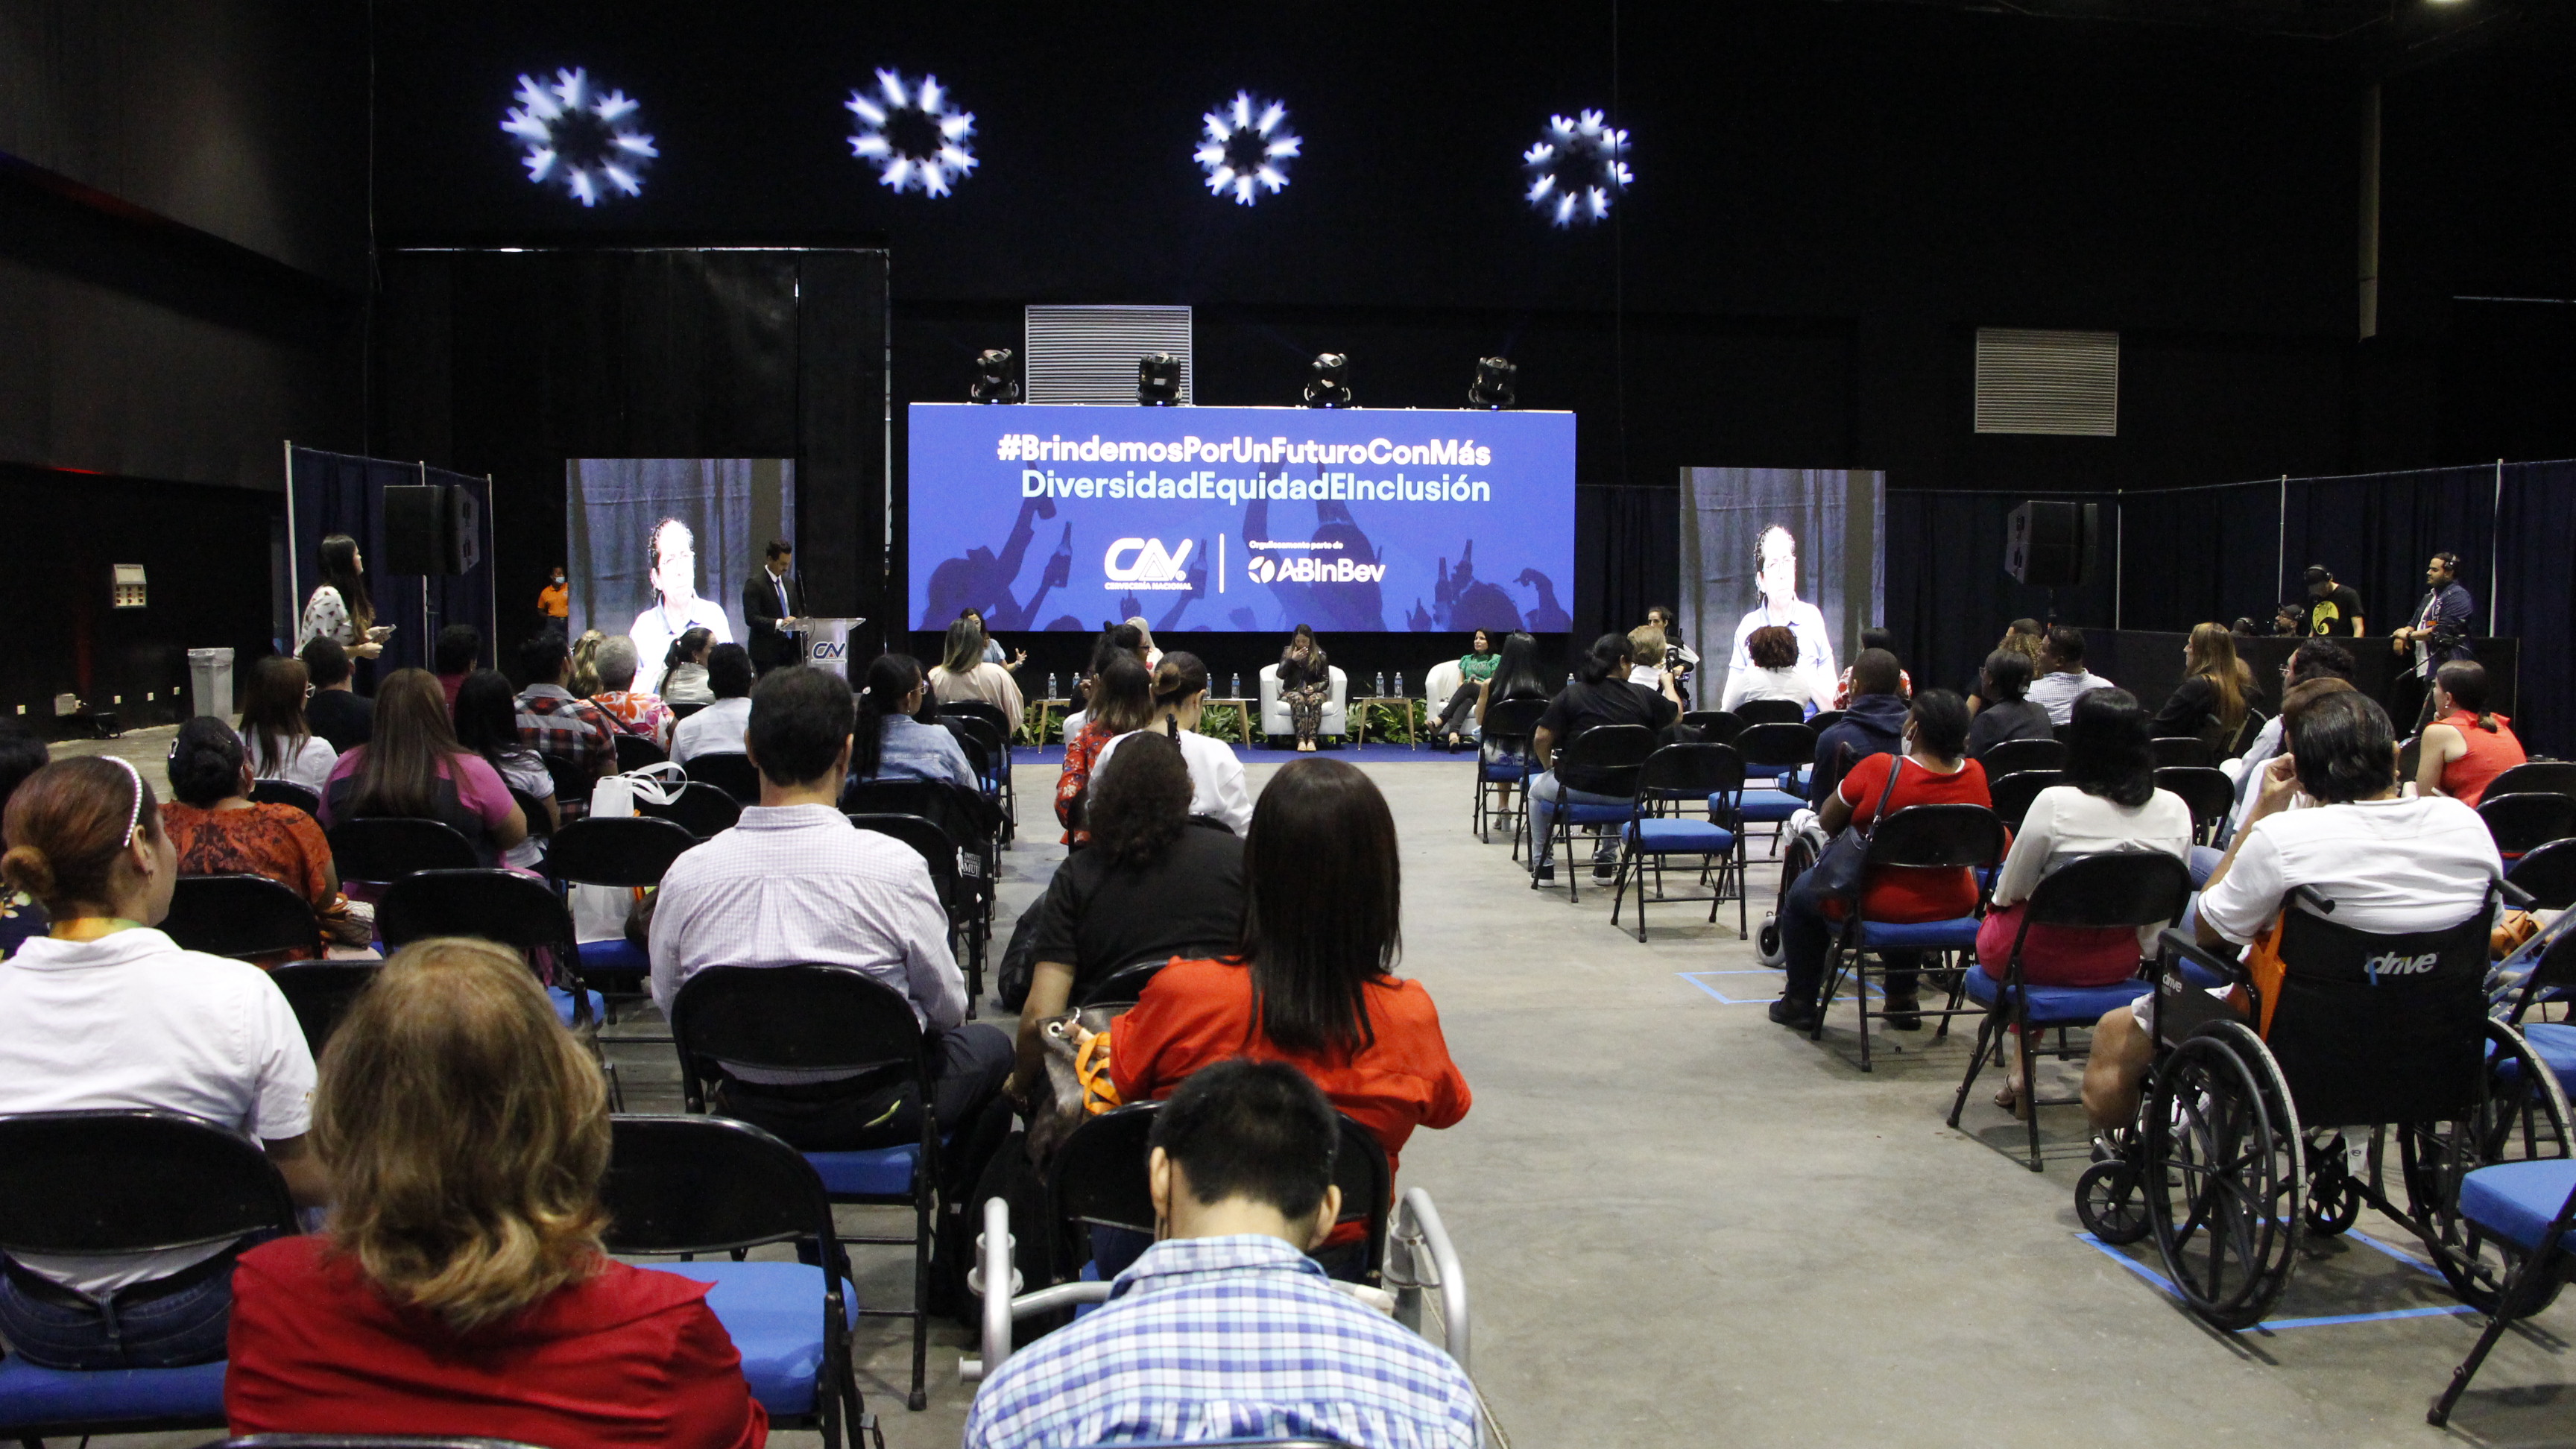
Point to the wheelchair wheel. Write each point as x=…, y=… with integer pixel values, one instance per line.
x=2521, y=1116
x=2334, y=1197
x=2108, y=1201
x=2224, y=1174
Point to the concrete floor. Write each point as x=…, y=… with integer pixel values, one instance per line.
x=1683, y=1224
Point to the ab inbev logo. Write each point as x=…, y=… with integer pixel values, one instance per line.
x=1264, y=569
x=1143, y=563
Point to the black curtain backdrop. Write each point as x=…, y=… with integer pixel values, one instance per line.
x=332, y=493
x=2170, y=559
x=511, y=362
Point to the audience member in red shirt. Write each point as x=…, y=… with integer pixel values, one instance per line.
x=1934, y=770
x=1311, y=985
x=462, y=1290
x=1121, y=700
x=2466, y=746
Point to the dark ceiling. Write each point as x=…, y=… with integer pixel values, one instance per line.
x=2393, y=33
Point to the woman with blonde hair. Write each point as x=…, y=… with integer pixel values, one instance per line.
x=462, y=1288
x=2210, y=702
x=965, y=672
x=585, y=664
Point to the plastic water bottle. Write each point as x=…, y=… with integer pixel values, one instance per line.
x=1051, y=690
x=1381, y=684
x=1235, y=690
x=1399, y=682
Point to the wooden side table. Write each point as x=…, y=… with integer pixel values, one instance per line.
x=1358, y=711
x=1244, y=710
x=1038, y=729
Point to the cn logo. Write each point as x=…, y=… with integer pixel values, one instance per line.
x=2392, y=964
x=1146, y=562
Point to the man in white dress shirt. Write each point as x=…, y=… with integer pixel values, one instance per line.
x=2062, y=675
x=676, y=607
x=1775, y=572
x=793, y=883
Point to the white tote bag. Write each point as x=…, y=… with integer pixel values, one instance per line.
x=599, y=912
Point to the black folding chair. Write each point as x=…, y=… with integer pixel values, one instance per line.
x=321, y=992
x=2181, y=750
x=1616, y=753
x=2525, y=821
x=493, y=905
x=2014, y=756
x=634, y=752
x=112, y=1182
x=287, y=792
x=731, y=773
x=700, y=808
x=241, y=916
x=690, y=1185
x=1772, y=753
x=1771, y=711
x=1710, y=777
x=2547, y=875
x=2013, y=793
x=940, y=852
x=541, y=827
x=826, y=1018
x=989, y=737
x=2557, y=777
x=1098, y=1180
x=1961, y=837
x=377, y=850
x=362, y=1441
x=1716, y=726
x=1825, y=719
x=628, y=854
x=973, y=821
x=2209, y=793
x=681, y=711
x=1124, y=986
x=2126, y=888
x=573, y=781
x=1504, y=760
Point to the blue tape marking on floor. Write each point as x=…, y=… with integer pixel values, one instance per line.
x=1722, y=998
x=2326, y=1321
x=2399, y=1254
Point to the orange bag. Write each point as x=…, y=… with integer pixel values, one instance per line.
x=1091, y=1067
x=2263, y=963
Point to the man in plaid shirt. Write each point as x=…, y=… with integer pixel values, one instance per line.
x=630, y=710
x=573, y=733
x=1225, y=1329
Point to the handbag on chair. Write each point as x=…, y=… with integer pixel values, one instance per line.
x=1839, y=868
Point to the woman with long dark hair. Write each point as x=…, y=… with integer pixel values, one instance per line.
x=1152, y=885
x=684, y=670
x=1601, y=694
x=2006, y=715
x=487, y=722
x=2467, y=745
x=1121, y=700
x=340, y=608
x=1217, y=791
x=1474, y=668
x=1312, y=979
x=2108, y=805
x=282, y=745
x=889, y=744
x=1305, y=685
x=413, y=766
x=218, y=829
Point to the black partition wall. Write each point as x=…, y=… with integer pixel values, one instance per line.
x=509, y=361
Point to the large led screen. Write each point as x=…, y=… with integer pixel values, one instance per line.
x=1240, y=518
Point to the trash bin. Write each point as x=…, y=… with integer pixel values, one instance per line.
x=210, y=682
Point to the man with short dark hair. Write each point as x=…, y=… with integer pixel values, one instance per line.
x=793, y=883
x=772, y=601
x=336, y=712
x=2062, y=675
x=2315, y=658
x=563, y=730
x=720, y=728
x=1872, y=724
x=2333, y=608
x=1225, y=1329
x=453, y=655
x=2440, y=632
x=1873, y=639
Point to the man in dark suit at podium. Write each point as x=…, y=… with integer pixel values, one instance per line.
x=773, y=602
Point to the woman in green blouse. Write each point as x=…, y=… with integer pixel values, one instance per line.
x=1476, y=666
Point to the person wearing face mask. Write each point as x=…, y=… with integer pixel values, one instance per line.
x=554, y=602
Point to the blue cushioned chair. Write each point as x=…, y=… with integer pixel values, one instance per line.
x=125, y=1182
x=711, y=1185
x=1774, y=755
x=1504, y=762
x=2542, y=969
x=1617, y=753
x=825, y=1018
x=2533, y=1206
x=1960, y=837
x=2126, y=890
x=613, y=854
x=1671, y=776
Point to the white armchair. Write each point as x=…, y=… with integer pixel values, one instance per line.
x=1274, y=710
x=1441, y=682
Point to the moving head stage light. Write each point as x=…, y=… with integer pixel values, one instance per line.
x=993, y=380
x=1158, y=380
x=1330, y=386
x=1493, y=387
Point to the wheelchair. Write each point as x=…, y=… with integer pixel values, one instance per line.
x=2264, y=1122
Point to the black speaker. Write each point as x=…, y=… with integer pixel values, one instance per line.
x=415, y=530
x=464, y=529
x=2051, y=545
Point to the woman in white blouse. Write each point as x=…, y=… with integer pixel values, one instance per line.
x=1217, y=790
x=1776, y=673
x=274, y=734
x=340, y=609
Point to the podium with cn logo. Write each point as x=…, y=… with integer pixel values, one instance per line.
x=827, y=641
